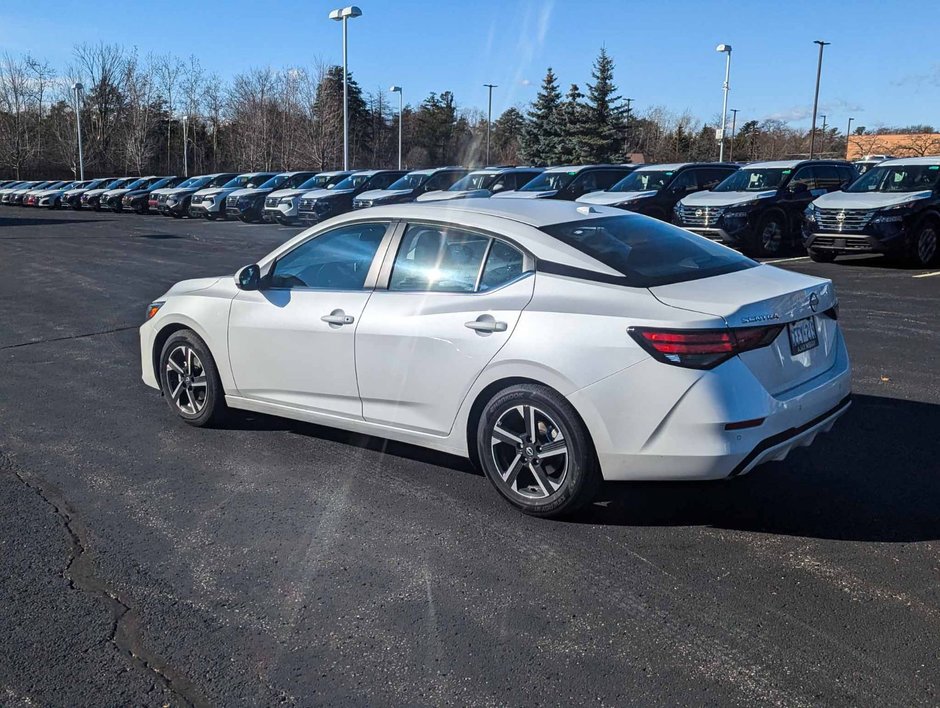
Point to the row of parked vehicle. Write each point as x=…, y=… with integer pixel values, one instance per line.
x=761, y=208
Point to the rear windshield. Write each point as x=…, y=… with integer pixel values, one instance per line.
x=648, y=252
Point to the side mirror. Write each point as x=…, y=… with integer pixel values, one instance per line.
x=799, y=188
x=249, y=277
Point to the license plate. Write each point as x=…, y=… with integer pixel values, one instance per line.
x=803, y=336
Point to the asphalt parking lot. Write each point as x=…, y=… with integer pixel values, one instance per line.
x=146, y=562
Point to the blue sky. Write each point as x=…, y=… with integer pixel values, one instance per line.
x=883, y=66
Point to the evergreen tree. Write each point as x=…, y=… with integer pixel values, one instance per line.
x=540, y=140
x=573, y=127
x=507, y=136
x=604, y=115
x=437, y=126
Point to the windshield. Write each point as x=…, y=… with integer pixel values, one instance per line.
x=352, y=182
x=192, y=182
x=474, y=180
x=643, y=181
x=220, y=181
x=756, y=180
x=412, y=180
x=135, y=184
x=316, y=182
x=648, y=253
x=549, y=182
x=276, y=181
x=240, y=181
x=900, y=178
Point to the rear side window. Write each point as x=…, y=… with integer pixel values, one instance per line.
x=382, y=181
x=503, y=265
x=439, y=259
x=647, y=252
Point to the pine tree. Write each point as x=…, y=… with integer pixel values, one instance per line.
x=507, y=136
x=573, y=127
x=604, y=115
x=540, y=140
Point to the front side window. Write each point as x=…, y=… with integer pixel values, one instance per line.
x=804, y=175
x=549, y=182
x=336, y=260
x=438, y=258
x=382, y=181
x=648, y=253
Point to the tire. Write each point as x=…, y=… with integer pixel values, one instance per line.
x=548, y=485
x=211, y=216
x=923, y=244
x=770, y=236
x=176, y=215
x=821, y=256
x=188, y=370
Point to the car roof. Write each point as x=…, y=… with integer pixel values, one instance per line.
x=929, y=160
x=339, y=172
x=581, y=168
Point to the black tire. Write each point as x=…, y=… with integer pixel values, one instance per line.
x=176, y=215
x=545, y=486
x=821, y=256
x=923, y=244
x=183, y=379
x=771, y=236
x=210, y=216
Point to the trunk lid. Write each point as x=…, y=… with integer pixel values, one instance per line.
x=767, y=296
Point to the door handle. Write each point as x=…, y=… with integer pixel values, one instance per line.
x=486, y=323
x=338, y=318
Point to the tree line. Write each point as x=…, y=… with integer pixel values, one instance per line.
x=136, y=112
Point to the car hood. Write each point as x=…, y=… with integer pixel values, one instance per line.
x=215, y=191
x=513, y=194
x=163, y=190
x=190, y=286
x=443, y=195
x=867, y=200
x=326, y=193
x=248, y=192
x=608, y=198
x=95, y=192
x=380, y=194
x=281, y=193
x=725, y=199
x=115, y=193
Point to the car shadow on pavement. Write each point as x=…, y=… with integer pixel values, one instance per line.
x=30, y=221
x=874, y=477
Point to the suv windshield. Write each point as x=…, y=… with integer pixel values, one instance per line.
x=643, y=181
x=756, y=180
x=240, y=181
x=318, y=182
x=412, y=180
x=192, y=182
x=275, y=182
x=900, y=178
x=352, y=182
x=648, y=253
x=549, y=181
x=474, y=180
x=134, y=185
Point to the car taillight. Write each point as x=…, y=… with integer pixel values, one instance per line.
x=702, y=348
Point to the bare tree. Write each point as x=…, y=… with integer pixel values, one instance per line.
x=168, y=70
x=16, y=144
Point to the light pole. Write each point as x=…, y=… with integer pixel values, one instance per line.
x=812, y=138
x=725, y=48
x=822, y=138
x=734, y=123
x=627, y=145
x=489, y=120
x=77, y=88
x=401, y=105
x=341, y=15
x=185, y=148
x=848, y=132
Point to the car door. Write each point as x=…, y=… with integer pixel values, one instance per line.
x=292, y=341
x=452, y=300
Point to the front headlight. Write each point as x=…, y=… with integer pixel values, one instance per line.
x=677, y=209
x=810, y=213
x=287, y=200
x=896, y=212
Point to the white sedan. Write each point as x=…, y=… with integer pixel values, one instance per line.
x=554, y=344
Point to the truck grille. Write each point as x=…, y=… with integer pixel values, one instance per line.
x=843, y=219
x=700, y=216
x=852, y=243
x=307, y=204
x=362, y=203
x=231, y=201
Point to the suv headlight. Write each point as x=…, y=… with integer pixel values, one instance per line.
x=677, y=209
x=287, y=200
x=810, y=213
x=896, y=212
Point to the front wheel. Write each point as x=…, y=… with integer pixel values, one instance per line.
x=922, y=245
x=821, y=256
x=536, y=451
x=211, y=216
x=769, y=236
x=190, y=381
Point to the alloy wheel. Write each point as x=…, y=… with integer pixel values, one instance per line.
x=927, y=245
x=771, y=236
x=186, y=380
x=530, y=452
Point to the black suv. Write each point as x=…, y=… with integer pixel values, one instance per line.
x=320, y=204
x=568, y=182
x=653, y=190
x=138, y=199
x=759, y=208
x=408, y=187
x=894, y=208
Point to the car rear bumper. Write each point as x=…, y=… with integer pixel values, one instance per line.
x=679, y=430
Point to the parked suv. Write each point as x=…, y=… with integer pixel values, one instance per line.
x=210, y=202
x=248, y=204
x=893, y=208
x=866, y=163
x=759, y=208
x=408, y=187
x=176, y=202
x=653, y=190
x=35, y=197
x=92, y=198
x=485, y=183
x=281, y=205
x=139, y=199
x=55, y=198
x=319, y=204
x=73, y=197
x=569, y=182
x=113, y=199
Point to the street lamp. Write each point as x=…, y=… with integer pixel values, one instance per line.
x=489, y=120
x=78, y=88
x=725, y=48
x=185, y=148
x=848, y=132
x=397, y=89
x=734, y=122
x=812, y=139
x=822, y=138
x=341, y=15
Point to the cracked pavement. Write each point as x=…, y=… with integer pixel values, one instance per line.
x=143, y=562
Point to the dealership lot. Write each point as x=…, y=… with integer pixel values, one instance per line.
x=147, y=562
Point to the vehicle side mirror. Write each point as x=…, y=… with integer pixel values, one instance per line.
x=498, y=187
x=799, y=188
x=249, y=277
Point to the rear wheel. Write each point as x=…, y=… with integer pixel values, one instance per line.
x=821, y=256
x=922, y=245
x=536, y=451
x=190, y=380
